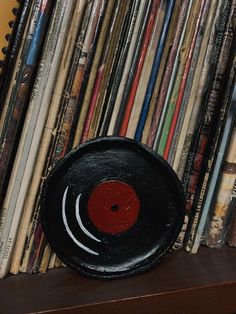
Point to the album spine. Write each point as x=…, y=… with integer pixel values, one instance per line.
x=202, y=144
x=11, y=122
x=231, y=238
x=111, y=7
x=81, y=95
x=218, y=207
x=223, y=208
x=184, y=78
x=117, y=115
x=36, y=242
x=109, y=117
x=19, y=100
x=105, y=70
x=34, y=122
x=149, y=71
x=167, y=76
x=181, y=60
x=162, y=28
x=112, y=94
x=106, y=105
x=187, y=84
x=44, y=260
x=191, y=115
x=198, y=112
x=212, y=178
x=34, y=227
x=52, y=261
x=63, y=138
x=174, y=65
x=47, y=136
x=128, y=120
x=107, y=75
x=193, y=98
x=88, y=68
x=163, y=50
x=191, y=137
x=11, y=57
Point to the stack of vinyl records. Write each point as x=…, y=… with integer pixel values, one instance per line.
x=160, y=72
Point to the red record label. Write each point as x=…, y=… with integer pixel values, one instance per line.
x=113, y=207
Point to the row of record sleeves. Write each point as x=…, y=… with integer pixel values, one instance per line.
x=160, y=72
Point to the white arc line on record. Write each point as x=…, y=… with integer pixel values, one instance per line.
x=68, y=228
x=80, y=221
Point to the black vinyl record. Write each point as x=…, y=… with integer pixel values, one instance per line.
x=112, y=208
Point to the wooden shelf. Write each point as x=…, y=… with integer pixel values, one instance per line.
x=181, y=283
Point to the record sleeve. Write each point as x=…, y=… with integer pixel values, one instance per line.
x=19, y=99
x=171, y=70
x=204, y=143
x=109, y=121
x=190, y=118
x=219, y=194
x=33, y=126
x=185, y=63
x=215, y=237
x=187, y=82
x=167, y=76
x=47, y=135
x=62, y=141
x=106, y=70
x=117, y=68
x=137, y=92
x=164, y=47
x=111, y=5
x=117, y=117
x=193, y=99
x=168, y=11
x=93, y=31
x=181, y=59
x=231, y=240
x=36, y=242
x=120, y=67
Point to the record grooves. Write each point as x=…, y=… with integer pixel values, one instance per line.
x=112, y=208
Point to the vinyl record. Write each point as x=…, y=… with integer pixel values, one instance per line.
x=112, y=208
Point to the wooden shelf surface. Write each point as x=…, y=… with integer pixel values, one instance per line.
x=181, y=283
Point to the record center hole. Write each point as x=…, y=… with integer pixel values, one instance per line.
x=114, y=207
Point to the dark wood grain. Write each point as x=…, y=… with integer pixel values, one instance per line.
x=181, y=283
